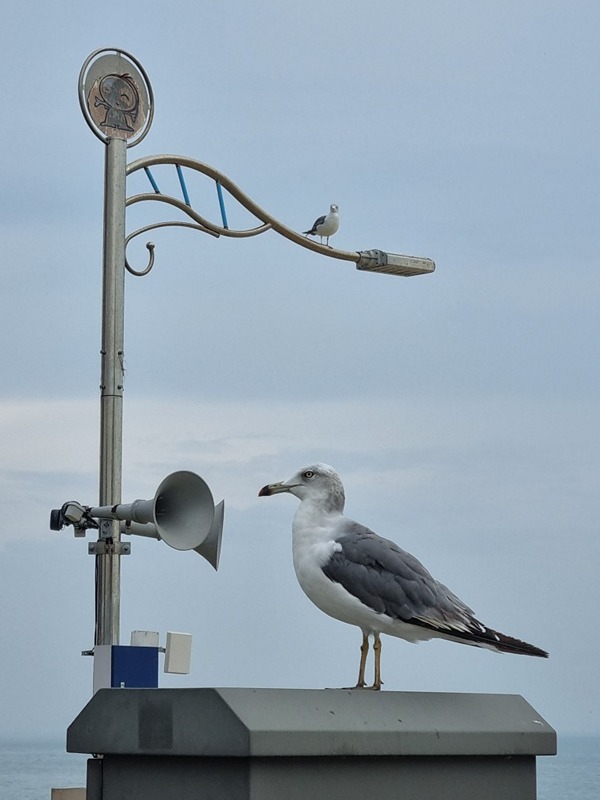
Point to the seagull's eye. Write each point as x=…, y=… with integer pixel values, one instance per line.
x=308, y=474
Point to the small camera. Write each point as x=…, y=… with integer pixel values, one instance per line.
x=71, y=513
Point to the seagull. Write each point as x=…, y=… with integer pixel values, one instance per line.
x=356, y=576
x=326, y=225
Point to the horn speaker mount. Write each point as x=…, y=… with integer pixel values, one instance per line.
x=182, y=513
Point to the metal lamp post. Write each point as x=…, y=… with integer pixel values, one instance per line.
x=117, y=102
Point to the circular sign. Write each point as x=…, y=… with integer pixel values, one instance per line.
x=115, y=96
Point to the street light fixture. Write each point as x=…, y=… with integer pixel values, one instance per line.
x=117, y=102
x=393, y=264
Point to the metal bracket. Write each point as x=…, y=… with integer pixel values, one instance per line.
x=109, y=529
x=106, y=547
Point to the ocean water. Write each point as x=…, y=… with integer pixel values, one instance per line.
x=573, y=774
x=28, y=770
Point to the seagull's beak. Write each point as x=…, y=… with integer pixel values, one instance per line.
x=274, y=488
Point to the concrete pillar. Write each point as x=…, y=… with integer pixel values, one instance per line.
x=288, y=744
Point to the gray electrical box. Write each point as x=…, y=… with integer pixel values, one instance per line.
x=288, y=744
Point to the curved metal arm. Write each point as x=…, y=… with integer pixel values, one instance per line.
x=202, y=223
x=268, y=221
x=370, y=260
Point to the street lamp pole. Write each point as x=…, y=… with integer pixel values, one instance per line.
x=116, y=101
x=108, y=569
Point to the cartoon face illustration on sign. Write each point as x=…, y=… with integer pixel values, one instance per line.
x=118, y=95
x=115, y=96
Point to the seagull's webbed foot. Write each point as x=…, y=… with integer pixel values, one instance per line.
x=364, y=687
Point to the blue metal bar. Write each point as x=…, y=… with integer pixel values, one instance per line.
x=222, y=205
x=151, y=179
x=186, y=196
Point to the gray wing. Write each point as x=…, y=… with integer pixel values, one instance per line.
x=317, y=222
x=393, y=582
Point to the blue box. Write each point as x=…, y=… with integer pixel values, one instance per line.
x=134, y=667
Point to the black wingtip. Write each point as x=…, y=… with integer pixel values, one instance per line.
x=508, y=644
x=520, y=648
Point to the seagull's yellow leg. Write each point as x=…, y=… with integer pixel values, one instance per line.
x=377, y=650
x=364, y=650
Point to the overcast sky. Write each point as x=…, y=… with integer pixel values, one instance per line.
x=460, y=408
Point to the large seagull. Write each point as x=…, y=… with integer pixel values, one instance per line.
x=358, y=577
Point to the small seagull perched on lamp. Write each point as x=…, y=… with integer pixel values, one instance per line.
x=326, y=225
x=358, y=577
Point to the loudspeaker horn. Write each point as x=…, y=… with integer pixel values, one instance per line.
x=182, y=513
x=210, y=549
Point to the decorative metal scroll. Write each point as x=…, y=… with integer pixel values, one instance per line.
x=199, y=222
